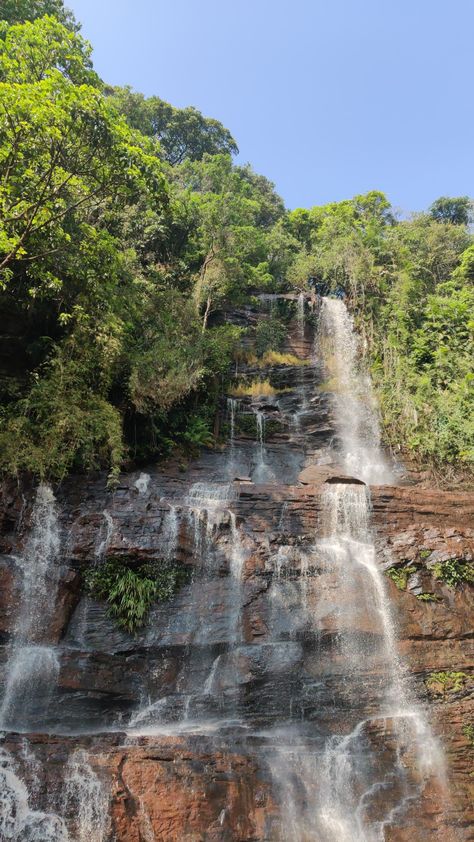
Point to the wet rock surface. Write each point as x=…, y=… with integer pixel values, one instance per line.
x=188, y=724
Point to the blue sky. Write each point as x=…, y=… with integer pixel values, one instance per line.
x=327, y=98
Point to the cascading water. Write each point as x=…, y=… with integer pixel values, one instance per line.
x=32, y=667
x=85, y=799
x=350, y=782
x=142, y=483
x=300, y=315
x=193, y=706
x=232, y=407
x=262, y=472
x=281, y=645
x=344, y=790
x=355, y=408
x=18, y=821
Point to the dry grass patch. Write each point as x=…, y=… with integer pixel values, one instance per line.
x=254, y=389
x=271, y=358
x=275, y=358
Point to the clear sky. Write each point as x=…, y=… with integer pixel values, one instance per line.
x=328, y=98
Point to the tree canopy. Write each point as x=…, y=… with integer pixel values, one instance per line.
x=126, y=231
x=183, y=133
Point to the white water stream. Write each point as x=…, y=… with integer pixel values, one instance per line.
x=348, y=792
x=32, y=667
x=354, y=405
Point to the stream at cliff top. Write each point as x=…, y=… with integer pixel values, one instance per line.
x=311, y=685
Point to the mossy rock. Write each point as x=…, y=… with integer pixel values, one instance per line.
x=400, y=575
x=444, y=683
x=454, y=572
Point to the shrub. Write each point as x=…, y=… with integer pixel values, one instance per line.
x=270, y=334
x=399, y=575
x=254, y=389
x=129, y=592
x=454, y=571
x=441, y=683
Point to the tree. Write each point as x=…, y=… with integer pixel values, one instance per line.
x=183, y=133
x=457, y=211
x=32, y=51
x=62, y=153
x=19, y=11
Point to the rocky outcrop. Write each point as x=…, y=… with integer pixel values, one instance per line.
x=190, y=726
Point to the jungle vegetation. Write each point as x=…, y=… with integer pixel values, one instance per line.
x=126, y=229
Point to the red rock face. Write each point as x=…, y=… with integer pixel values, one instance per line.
x=254, y=675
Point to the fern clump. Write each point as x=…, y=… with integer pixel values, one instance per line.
x=130, y=592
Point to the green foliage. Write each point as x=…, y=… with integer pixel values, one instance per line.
x=106, y=258
x=270, y=335
x=400, y=575
x=126, y=234
x=442, y=683
x=457, y=211
x=183, y=133
x=468, y=731
x=19, y=11
x=454, y=572
x=411, y=287
x=428, y=597
x=63, y=423
x=130, y=592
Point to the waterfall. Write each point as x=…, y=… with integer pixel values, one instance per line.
x=193, y=706
x=85, y=799
x=262, y=472
x=300, y=315
x=104, y=543
x=33, y=667
x=18, y=821
x=355, y=408
x=232, y=408
x=347, y=790
x=333, y=794
x=142, y=483
x=170, y=531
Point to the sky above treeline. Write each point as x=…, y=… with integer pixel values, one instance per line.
x=325, y=98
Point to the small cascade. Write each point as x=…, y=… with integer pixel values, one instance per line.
x=85, y=799
x=170, y=533
x=300, y=316
x=262, y=471
x=102, y=545
x=107, y=532
x=142, y=483
x=354, y=404
x=193, y=706
x=237, y=562
x=18, y=821
x=33, y=667
x=232, y=409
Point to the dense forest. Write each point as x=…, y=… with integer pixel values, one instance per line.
x=127, y=229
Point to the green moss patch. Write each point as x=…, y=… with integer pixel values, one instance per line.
x=400, y=575
x=443, y=683
x=454, y=572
